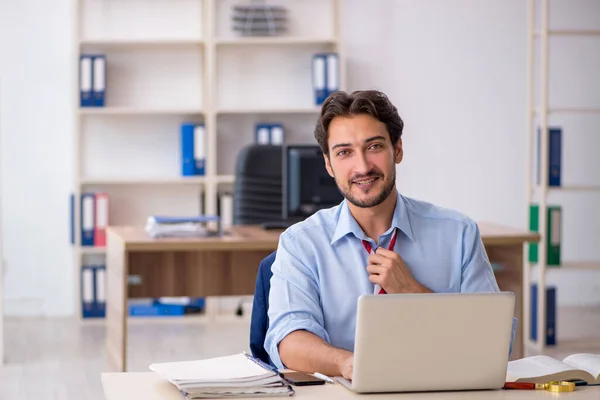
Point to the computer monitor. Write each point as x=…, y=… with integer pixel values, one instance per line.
x=307, y=186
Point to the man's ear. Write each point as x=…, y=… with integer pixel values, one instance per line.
x=399, y=151
x=328, y=165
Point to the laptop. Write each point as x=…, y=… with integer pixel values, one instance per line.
x=431, y=342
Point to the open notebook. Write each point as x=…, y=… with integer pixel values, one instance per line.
x=541, y=369
x=238, y=375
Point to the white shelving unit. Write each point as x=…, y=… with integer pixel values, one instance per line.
x=1, y=241
x=170, y=62
x=539, y=116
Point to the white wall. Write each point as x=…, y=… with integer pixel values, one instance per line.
x=35, y=62
x=456, y=70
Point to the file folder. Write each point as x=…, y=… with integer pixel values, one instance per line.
x=277, y=134
x=553, y=233
x=262, y=134
x=550, y=336
x=87, y=292
x=99, y=80
x=100, y=291
x=72, y=218
x=554, y=156
x=193, y=150
x=101, y=220
x=333, y=73
x=318, y=78
x=85, y=80
x=87, y=219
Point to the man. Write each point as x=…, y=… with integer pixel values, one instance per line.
x=326, y=262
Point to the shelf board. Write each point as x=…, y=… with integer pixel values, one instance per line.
x=570, y=110
x=572, y=266
x=581, y=265
x=92, y=250
x=575, y=188
x=196, y=180
x=276, y=40
x=138, y=111
x=570, y=32
x=128, y=42
x=225, y=178
x=290, y=110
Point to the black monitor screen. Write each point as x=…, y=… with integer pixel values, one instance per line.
x=307, y=184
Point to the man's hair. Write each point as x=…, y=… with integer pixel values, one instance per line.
x=372, y=102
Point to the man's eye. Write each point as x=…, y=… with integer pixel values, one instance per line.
x=342, y=152
x=375, y=146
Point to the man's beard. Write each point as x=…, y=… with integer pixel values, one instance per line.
x=372, y=202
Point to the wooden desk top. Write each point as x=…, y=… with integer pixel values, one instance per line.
x=503, y=235
x=134, y=238
x=151, y=386
x=248, y=237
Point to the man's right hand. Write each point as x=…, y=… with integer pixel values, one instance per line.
x=346, y=367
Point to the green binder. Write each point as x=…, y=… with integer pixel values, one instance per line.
x=553, y=236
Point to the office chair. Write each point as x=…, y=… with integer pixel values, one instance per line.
x=257, y=196
x=259, y=320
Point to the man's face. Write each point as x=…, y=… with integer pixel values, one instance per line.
x=362, y=159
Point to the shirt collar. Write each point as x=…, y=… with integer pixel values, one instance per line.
x=347, y=224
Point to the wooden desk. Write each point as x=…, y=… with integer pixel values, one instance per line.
x=228, y=266
x=151, y=386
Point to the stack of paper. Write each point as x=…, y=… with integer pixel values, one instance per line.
x=238, y=375
x=195, y=226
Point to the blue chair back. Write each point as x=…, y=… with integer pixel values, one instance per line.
x=259, y=322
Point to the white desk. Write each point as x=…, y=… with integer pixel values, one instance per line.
x=150, y=386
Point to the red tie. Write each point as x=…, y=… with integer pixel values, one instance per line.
x=390, y=247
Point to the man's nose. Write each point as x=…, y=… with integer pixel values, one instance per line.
x=362, y=164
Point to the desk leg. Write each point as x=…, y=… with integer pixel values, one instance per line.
x=510, y=279
x=211, y=305
x=116, y=305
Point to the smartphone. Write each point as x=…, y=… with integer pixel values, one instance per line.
x=302, y=379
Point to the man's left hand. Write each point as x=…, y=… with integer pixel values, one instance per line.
x=387, y=269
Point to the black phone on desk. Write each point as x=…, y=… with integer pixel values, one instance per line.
x=301, y=379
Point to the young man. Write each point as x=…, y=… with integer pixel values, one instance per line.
x=326, y=262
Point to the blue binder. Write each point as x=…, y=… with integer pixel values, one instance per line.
x=554, y=156
x=277, y=134
x=99, y=308
x=262, y=134
x=550, y=314
x=87, y=216
x=87, y=292
x=99, y=80
x=85, y=80
x=193, y=154
x=332, y=75
x=319, y=63
x=72, y=218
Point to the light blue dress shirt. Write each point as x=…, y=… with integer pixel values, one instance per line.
x=320, y=271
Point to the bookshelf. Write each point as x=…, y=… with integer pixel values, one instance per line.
x=170, y=62
x=557, y=96
x=2, y=264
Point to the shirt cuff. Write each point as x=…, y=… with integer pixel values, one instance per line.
x=286, y=327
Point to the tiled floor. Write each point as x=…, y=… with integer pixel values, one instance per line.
x=54, y=359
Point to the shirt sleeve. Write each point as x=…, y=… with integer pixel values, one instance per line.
x=294, y=301
x=477, y=272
